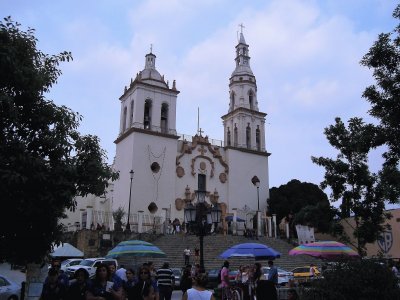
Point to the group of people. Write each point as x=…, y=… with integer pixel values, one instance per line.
x=252, y=282
x=110, y=284
x=187, y=254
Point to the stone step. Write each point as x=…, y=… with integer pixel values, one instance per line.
x=214, y=245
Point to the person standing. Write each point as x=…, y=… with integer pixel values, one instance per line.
x=196, y=255
x=77, y=289
x=225, y=281
x=165, y=282
x=312, y=271
x=273, y=272
x=53, y=289
x=186, y=255
x=144, y=287
x=186, y=280
x=121, y=273
x=199, y=291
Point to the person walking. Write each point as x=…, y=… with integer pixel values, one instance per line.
x=186, y=280
x=165, y=282
x=53, y=289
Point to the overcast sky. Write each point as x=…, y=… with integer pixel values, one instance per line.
x=305, y=56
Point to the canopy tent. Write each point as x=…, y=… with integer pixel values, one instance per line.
x=66, y=250
x=230, y=219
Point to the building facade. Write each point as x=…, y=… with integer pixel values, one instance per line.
x=169, y=167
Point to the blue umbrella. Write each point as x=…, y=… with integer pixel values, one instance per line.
x=255, y=250
x=135, y=248
x=230, y=219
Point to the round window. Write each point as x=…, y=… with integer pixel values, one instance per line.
x=155, y=167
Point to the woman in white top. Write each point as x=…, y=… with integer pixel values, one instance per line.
x=199, y=291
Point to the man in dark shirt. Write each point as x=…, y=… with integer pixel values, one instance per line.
x=166, y=281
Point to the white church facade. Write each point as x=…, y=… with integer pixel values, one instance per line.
x=160, y=170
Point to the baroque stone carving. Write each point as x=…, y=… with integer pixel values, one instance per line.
x=179, y=203
x=180, y=172
x=222, y=177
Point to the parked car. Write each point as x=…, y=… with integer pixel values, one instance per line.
x=283, y=275
x=9, y=289
x=69, y=263
x=90, y=264
x=304, y=272
x=177, y=274
x=213, y=278
x=232, y=275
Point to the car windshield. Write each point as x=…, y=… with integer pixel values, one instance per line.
x=176, y=272
x=63, y=263
x=86, y=262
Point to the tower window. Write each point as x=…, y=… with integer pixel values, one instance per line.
x=232, y=101
x=124, y=119
x=251, y=100
x=258, y=144
x=228, y=137
x=131, y=115
x=147, y=115
x=248, y=136
x=235, y=136
x=164, y=118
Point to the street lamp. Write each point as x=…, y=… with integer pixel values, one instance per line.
x=200, y=218
x=128, y=225
x=256, y=183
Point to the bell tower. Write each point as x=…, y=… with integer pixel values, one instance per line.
x=244, y=124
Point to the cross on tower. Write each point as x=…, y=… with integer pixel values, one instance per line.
x=241, y=27
x=200, y=132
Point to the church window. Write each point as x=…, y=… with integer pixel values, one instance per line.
x=155, y=167
x=240, y=78
x=258, y=144
x=251, y=100
x=248, y=136
x=131, y=115
x=228, y=137
x=147, y=114
x=235, y=136
x=201, y=183
x=124, y=119
x=232, y=101
x=164, y=118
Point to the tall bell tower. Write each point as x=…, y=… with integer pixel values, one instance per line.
x=244, y=124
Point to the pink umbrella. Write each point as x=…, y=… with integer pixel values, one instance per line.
x=324, y=249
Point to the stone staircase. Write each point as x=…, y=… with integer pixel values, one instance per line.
x=214, y=245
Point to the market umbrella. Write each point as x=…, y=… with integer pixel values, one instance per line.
x=135, y=248
x=324, y=249
x=255, y=250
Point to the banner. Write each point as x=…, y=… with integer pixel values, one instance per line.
x=305, y=234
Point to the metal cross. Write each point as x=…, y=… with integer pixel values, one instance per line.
x=200, y=131
x=241, y=27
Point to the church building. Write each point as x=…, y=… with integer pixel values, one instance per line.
x=160, y=169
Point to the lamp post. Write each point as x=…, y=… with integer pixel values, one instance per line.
x=128, y=225
x=256, y=183
x=200, y=218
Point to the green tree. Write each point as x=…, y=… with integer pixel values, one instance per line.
x=350, y=180
x=44, y=161
x=293, y=196
x=384, y=97
x=354, y=280
x=118, y=215
x=320, y=216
